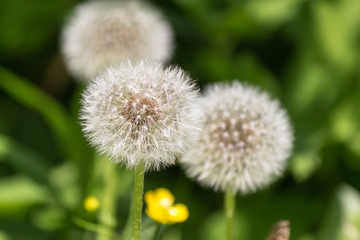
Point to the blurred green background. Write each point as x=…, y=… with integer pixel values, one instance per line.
x=305, y=52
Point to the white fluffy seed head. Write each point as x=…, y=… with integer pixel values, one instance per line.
x=141, y=112
x=245, y=139
x=102, y=33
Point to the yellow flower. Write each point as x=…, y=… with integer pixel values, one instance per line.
x=161, y=208
x=91, y=203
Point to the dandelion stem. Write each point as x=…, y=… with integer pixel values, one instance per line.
x=230, y=202
x=137, y=201
x=108, y=203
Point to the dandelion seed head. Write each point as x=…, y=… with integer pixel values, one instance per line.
x=103, y=33
x=245, y=139
x=141, y=112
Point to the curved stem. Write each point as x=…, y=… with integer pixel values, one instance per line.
x=108, y=205
x=230, y=203
x=137, y=201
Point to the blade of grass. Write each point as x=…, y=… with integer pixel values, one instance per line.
x=23, y=159
x=63, y=125
x=34, y=98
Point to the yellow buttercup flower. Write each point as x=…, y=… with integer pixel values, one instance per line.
x=91, y=203
x=161, y=208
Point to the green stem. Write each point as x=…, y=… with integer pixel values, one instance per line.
x=157, y=232
x=137, y=201
x=108, y=203
x=230, y=202
x=90, y=226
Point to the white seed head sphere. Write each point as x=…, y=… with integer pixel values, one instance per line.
x=245, y=139
x=102, y=33
x=141, y=112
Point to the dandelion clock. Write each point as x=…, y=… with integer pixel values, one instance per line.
x=103, y=33
x=245, y=140
x=141, y=113
x=142, y=116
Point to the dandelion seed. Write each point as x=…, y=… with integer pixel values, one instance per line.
x=102, y=33
x=117, y=123
x=245, y=139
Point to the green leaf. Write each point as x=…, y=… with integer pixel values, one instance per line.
x=18, y=230
x=64, y=126
x=64, y=179
x=238, y=24
x=310, y=89
x=336, y=41
x=148, y=229
x=19, y=193
x=34, y=98
x=309, y=83
x=307, y=237
x=273, y=12
x=27, y=26
x=50, y=218
x=345, y=120
x=249, y=69
x=354, y=145
x=172, y=234
x=22, y=159
x=343, y=219
x=303, y=165
x=4, y=236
